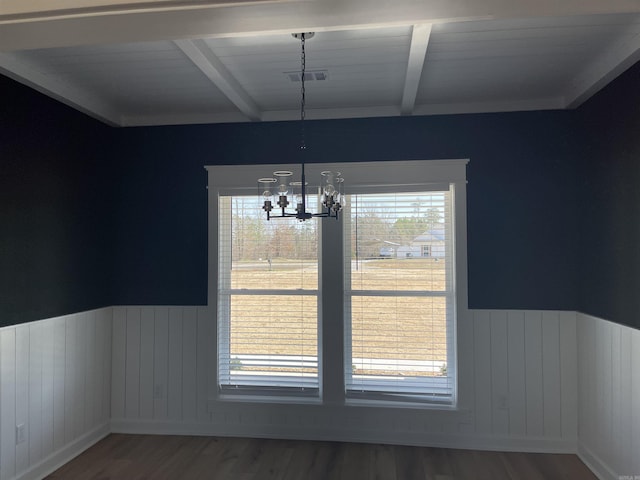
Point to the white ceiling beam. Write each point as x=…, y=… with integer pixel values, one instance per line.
x=267, y=116
x=30, y=8
x=553, y=103
x=329, y=113
x=146, y=120
x=417, y=52
x=203, y=58
x=545, y=103
x=548, y=103
x=604, y=69
x=121, y=26
x=86, y=102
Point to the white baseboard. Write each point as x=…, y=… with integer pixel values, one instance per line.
x=441, y=440
x=599, y=468
x=65, y=454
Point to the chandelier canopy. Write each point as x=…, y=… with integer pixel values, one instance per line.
x=331, y=189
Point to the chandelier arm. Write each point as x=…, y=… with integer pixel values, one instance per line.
x=304, y=215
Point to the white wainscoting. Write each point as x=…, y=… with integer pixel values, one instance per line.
x=527, y=379
x=518, y=387
x=609, y=392
x=55, y=379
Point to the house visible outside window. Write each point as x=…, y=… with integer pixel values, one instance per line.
x=377, y=290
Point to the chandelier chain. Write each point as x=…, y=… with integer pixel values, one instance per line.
x=303, y=61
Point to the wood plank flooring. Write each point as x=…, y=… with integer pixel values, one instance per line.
x=158, y=457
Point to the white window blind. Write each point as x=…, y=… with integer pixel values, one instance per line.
x=267, y=300
x=399, y=309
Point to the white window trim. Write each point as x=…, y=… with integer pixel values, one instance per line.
x=241, y=179
x=253, y=388
x=441, y=391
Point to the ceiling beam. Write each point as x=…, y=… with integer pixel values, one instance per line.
x=417, y=52
x=25, y=9
x=13, y=67
x=202, y=57
x=154, y=119
x=543, y=103
x=604, y=68
x=553, y=103
x=329, y=113
x=119, y=25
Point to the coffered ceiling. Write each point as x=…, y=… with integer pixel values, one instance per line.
x=177, y=62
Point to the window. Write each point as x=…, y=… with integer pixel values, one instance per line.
x=267, y=300
x=399, y=312
x=360, y=309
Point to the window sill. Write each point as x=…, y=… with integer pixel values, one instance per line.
x=401, y=404
x=270, y=399
x=317, y=401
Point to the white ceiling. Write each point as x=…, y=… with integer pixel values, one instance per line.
x=153, y=63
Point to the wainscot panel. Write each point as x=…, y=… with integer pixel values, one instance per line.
x=609, y=397
x=522, y=366
x=55, y=384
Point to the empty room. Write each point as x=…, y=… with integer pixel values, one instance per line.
x=332, y=239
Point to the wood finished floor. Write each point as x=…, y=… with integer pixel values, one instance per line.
x=156, y=457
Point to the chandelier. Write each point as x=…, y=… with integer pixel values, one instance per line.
x=332, y=184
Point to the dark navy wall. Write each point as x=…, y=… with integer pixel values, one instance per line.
x=92, y=215
x=161, y=210
x=55, y=196
x=522, y=197
x=610, y=206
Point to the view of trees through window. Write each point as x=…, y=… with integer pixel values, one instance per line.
x=256, y=239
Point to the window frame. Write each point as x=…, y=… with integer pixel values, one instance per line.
x=439, y=384
x=225, y=294
x=359, y=177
